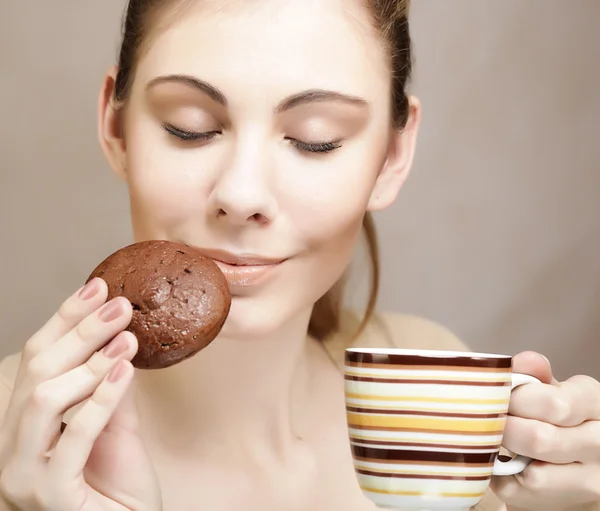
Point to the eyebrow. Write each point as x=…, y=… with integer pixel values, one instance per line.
x=212, y=92
x=318, y=95
x=301, y=98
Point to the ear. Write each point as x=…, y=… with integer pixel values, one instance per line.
x=110, y=125
x=399, y=161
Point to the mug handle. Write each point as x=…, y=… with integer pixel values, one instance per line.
x=518, y=463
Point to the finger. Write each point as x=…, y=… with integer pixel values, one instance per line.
x=74, y=348
x=552, y=444
x=549, y=487
x=75, y=445
x=79, y=305
x=41, y=421
x=568, y=403
x=126, y=416
x=534, y=364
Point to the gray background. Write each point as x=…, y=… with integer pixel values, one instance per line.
x=496, y=234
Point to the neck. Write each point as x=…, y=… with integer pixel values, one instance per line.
x=238, y=393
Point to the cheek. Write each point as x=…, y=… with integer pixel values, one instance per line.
x=163, y=186
x=327, y=199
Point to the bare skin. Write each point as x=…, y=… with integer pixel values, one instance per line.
x=272, y=138
x=314, y=471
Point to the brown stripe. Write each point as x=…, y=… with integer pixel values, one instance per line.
x=495, y=447
x=424, y=476
x=424, y=463
x=415, y=360
x=427, y=414
x=441, y=431
x=424, y=367
x=393, y=455
x=429, y=382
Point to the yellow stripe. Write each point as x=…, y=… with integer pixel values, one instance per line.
x=428, y=399
x=469, y=425
x=425, y=378
x=420, y=494
x=421, y=440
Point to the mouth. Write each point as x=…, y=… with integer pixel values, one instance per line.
x=243, y=270
x=241, y=259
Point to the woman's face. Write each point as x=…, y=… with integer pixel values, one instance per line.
x=261, y=134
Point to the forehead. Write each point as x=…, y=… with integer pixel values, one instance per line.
x=276, y=44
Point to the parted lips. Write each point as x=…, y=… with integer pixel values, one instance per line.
x=180, y=299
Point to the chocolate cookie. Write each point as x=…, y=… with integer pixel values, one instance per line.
x=180, y=299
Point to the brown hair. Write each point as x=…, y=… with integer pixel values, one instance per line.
x=390, y=19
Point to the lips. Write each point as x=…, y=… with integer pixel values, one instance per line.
x=243, y=270
x=241, y=259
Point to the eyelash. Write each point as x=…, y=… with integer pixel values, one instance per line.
x=191, y=136
x=324, y=147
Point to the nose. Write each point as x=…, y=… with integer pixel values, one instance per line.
x=241, y=194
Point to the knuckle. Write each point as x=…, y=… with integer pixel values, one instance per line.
x=82, y=330
x=37, y=369
x=77, y=427
x=560, y=409
x=582, y=379
x=11, y=484
x=534, y=478
x=43, y=396
x=95, y=367
x=101, y=399
x=594, y=439
x=31, y=348
x=543, y=439
x=69, y=312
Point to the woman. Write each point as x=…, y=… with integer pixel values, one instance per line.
x=271, y=128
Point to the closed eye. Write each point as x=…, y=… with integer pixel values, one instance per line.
x=194, y=136
x=314, y=147
x=187, y=136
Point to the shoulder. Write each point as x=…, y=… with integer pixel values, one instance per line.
x=413, y=332
x=391, y=330
x=394, y=330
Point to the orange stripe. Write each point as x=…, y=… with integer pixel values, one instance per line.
x=475, y=425
x=436, y=431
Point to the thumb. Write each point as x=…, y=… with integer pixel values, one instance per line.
x=533, y=364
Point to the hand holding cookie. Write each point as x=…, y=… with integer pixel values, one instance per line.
x=149, y=305
x=80, y=357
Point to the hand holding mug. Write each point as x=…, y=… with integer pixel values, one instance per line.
x=557, y=424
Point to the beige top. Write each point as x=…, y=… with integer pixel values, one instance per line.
x=384, y=331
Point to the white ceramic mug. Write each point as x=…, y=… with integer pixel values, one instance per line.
x=426, y=426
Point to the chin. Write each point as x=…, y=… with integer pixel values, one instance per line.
x=254, y=319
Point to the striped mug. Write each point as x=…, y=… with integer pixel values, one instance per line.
x=426, y=426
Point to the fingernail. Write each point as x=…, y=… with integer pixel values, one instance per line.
x=117, y=372
x=89, y=290
x=111, y=311
x=115, y=347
